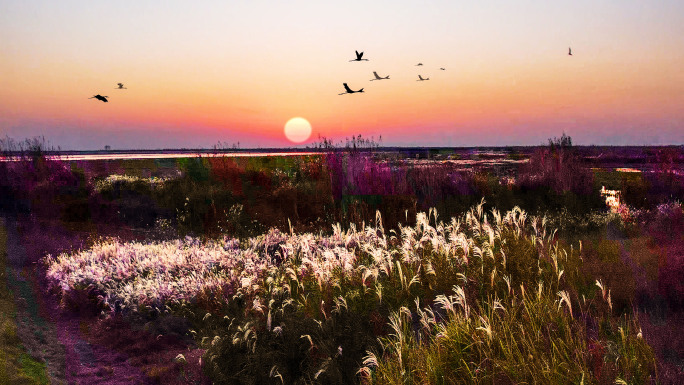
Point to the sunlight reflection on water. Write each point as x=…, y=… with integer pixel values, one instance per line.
x=158, y=155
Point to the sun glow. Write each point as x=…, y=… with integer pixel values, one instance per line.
x=297, y=130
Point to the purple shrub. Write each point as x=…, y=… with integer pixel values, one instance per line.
x=360, y=174
x=558, y=167
x=41, y=185
x=556, y=177
x=362, y=183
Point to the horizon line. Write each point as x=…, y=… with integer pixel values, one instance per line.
x=320, y=149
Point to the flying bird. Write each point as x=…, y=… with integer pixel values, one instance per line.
x=420, y=78
x=359, y=55
x=100, y=97
x=442, y=68
x=570, y=51
x=419, y=64
x=349, y=90
x=121, y=87
x=377, y=77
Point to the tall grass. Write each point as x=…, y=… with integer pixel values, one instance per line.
x=482, y=297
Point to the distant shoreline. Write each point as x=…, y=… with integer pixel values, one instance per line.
x=612, y=156
x=324, y=150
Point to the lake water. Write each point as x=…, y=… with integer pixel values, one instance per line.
x=162, y=155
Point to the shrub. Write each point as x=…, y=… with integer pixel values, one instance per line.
x=555, y=178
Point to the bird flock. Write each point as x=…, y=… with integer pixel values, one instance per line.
x=120, y=86
x=347, y=90
x=359, y=57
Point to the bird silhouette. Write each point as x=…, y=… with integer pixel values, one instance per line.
x=420, y=78
x=359, y=55
x=349, y=90
x=419, y=64
x=121, y=87
x=377, y=77
x=569, y=51
x=100, y=97
x=442, y=68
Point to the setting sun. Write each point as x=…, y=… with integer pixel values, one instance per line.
x=297, y=130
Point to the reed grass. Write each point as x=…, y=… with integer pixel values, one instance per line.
x=485, y=297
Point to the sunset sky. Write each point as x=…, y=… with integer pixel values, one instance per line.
x=236, y=71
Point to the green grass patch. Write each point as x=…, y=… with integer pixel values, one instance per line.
x=16, y=367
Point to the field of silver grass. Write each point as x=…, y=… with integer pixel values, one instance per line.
x=484, y=297
x=158, y=274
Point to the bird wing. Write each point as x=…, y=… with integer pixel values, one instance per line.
x=346, y=87
x=376, y=75
x=357, y=54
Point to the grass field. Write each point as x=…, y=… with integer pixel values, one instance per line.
x=354, y=268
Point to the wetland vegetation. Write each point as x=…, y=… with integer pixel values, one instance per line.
x=361, y=266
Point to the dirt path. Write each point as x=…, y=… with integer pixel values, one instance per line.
x=56, y=337
x=36, y=334
x=79, y=349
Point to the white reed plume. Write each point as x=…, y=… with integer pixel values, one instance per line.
x=565, y=298
x=323, y=368
x=486, y=327
x=449, y=303
x=497, y=305
x=340, y=303
x=275, y=374
x=497, y=217
x=540, y=289
x=397, y=325
x=445, y=303
x=600, y=286
x=605, y=294
x=308, y=338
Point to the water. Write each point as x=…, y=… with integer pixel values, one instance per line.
x=163, y=155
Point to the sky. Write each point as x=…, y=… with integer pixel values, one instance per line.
x=202, y=73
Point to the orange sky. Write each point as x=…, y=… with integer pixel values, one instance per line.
x=223, y=72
